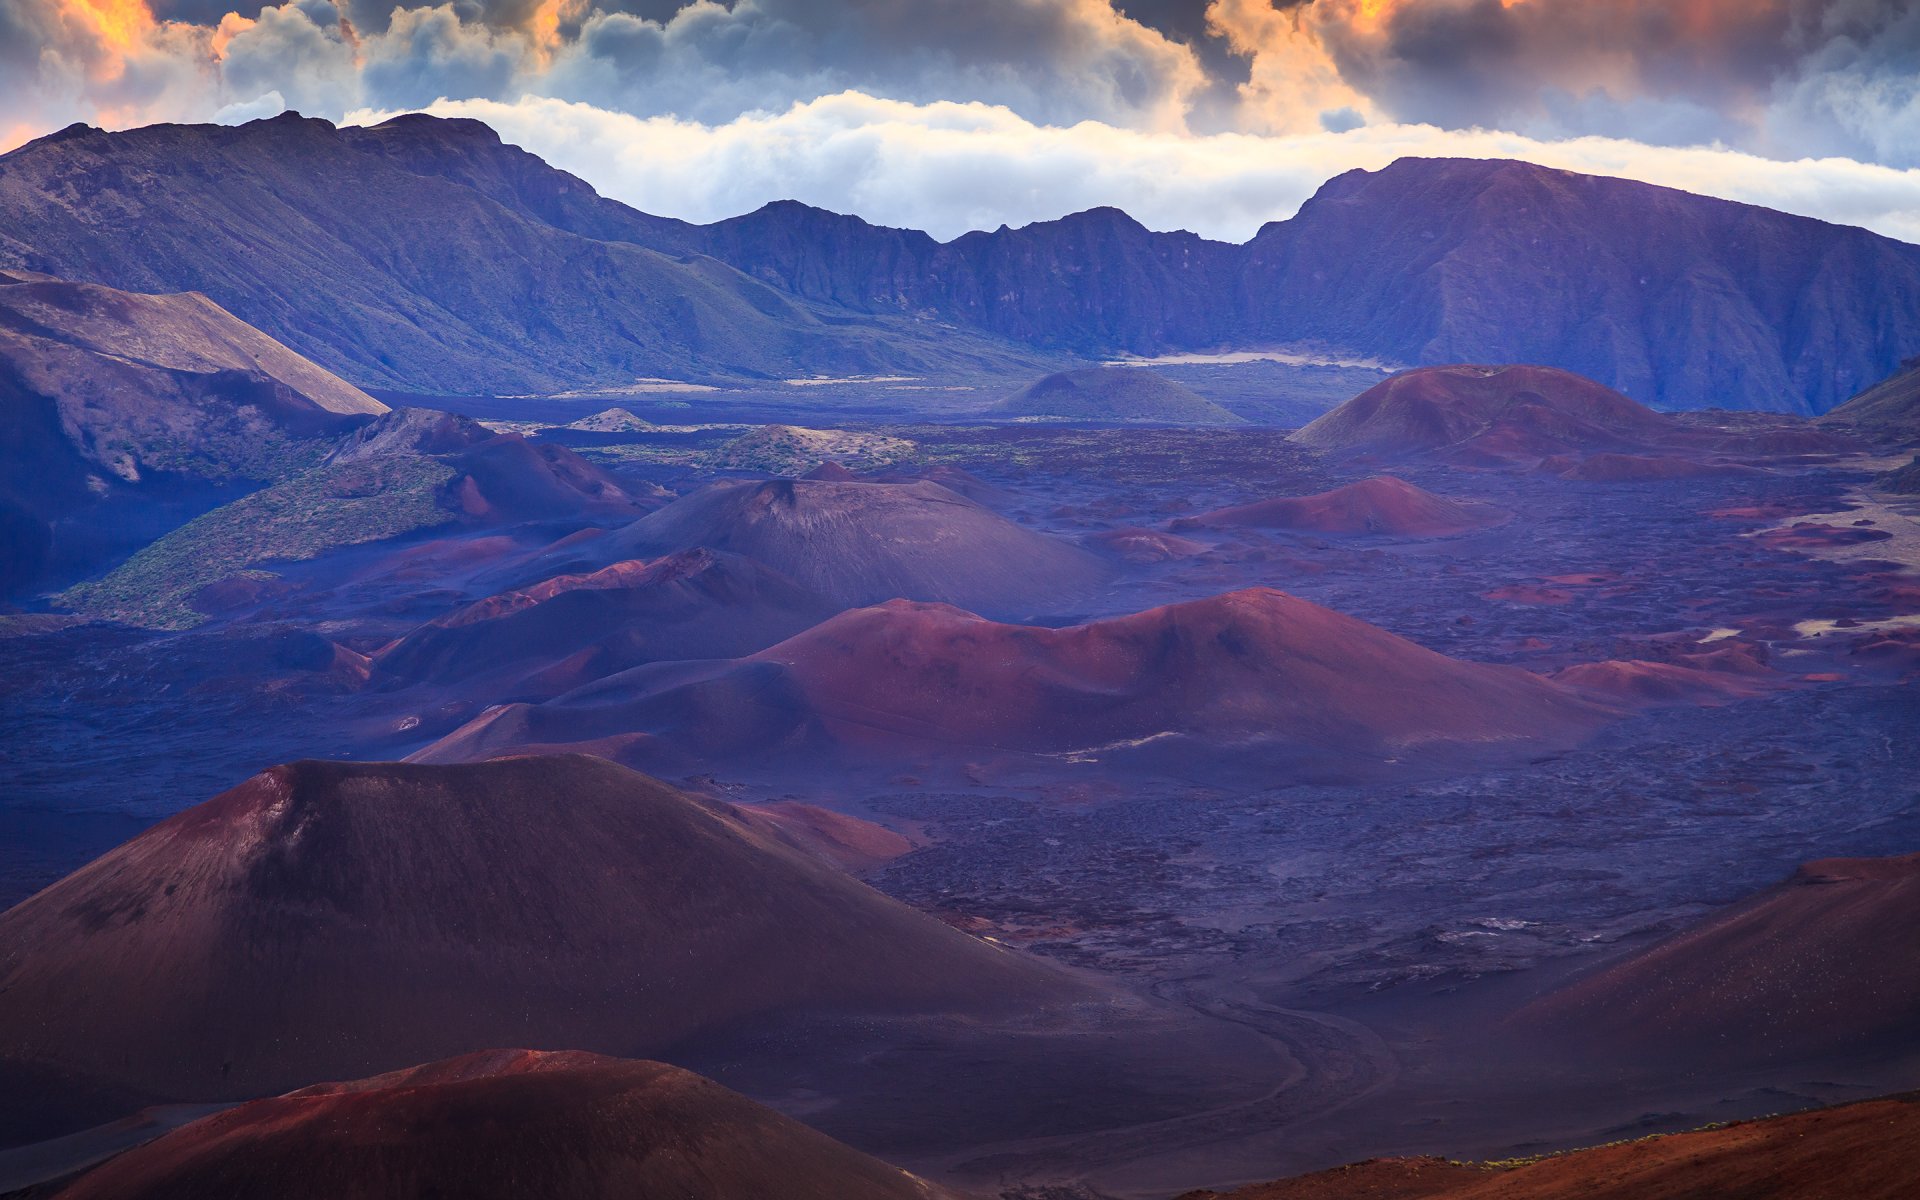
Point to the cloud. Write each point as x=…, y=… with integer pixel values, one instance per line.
x=1055, y=61
x=955, y=114
x=1058, y=61
x=1780, y=77
x=948, y=168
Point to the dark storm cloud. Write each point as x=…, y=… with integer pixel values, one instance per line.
x=1751, y=72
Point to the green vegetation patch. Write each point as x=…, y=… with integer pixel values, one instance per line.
x=304, y=517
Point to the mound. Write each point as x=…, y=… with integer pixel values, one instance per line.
x=409, y=431
x=1656, y=684
x=326, y=920
x=861, y=543
x=1513, y=412
x=791, y=450
x=1867, y=1151
x=611, y=420
x=507, y=479
x=1888, y=409
x=503, y=1123
x=1252, y=672
x=502, y=478
x=1816, y=966
x=553, y=636
x=1382, y=506
x=1114, y=394
x=1145, y=546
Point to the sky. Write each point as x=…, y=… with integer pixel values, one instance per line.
x=949, y=115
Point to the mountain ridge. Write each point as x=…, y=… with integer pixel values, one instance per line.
x=527, y=279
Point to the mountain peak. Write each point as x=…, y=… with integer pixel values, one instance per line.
x=428, y=125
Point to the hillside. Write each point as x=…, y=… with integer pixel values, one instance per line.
x=1865, y=1151
x=1677, y=300
x=1383, y=506
x=1519, y=414
x=353, y=918
x=861, y=543
x=1888, y=409
x=467, y=266
x=1114, y=394
x=1529, y=418
x=1255, y=675
x=1816, y=966
x=405, y=473
x=503, y=1124
x=1680, y=301
x=122, y=411
x=546, y=639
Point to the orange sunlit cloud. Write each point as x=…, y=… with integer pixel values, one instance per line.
x=116, y=28
x=231, y=26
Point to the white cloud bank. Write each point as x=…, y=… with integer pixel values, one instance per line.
x=951, y=167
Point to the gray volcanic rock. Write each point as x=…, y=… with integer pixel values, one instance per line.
x=1115, y=394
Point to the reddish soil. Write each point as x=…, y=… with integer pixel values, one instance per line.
x=1145, y=546
x=562, y=632
x=1382, y=506
x=1248, y=672
x=1864, y=1151
x=503, y=1123
x=509, y=479
x=1816, y=965
x=847, y=842
x=1812, y=535
x=1519, y=410
x=1655, y=684
x=1524, y=417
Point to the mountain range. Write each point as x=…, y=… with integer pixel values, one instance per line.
x=427, y=255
